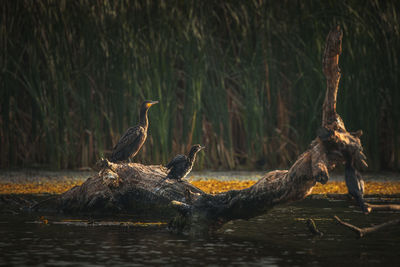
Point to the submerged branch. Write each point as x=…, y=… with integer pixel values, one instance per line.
x=383, y=207
x=313, y=227
x=367, y=230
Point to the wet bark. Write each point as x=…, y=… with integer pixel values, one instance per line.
x=134, y=188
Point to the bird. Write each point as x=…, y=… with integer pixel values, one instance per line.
x=181, y=165
x=133, y=139
x=355, y=184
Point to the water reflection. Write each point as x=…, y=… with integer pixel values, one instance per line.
x=275, y=239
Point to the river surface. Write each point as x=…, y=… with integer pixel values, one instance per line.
x=278, y=238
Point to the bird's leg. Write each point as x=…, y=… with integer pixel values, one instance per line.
x=360, y=200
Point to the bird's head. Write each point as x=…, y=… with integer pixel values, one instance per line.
x=195, y=149
x=147, y=104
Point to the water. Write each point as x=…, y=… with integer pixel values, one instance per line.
x=279, y=238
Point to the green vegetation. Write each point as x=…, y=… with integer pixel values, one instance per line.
x=242, y=78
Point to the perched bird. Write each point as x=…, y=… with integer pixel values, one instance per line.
x=181, y=165
x=133, y=139
x=355, y=184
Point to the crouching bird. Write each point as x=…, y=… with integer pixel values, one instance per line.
x=355, y=185
x=181, y=165
x=133, y=139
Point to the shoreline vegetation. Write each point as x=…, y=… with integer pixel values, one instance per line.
x=211, y=186
x=242, y=78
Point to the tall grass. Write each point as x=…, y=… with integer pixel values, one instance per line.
x=242, y=78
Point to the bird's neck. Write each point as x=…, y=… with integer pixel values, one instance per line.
x=143, y=120
x=192, y=156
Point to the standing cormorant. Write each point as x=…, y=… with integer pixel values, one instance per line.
x=181, y=165
x=355, y=184
x=133, y=139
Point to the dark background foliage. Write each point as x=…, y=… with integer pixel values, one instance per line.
x=242, y=78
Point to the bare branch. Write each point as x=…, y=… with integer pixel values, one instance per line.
x=367, y=230
x=330, y=62
x=313, y=228
x=384, y=207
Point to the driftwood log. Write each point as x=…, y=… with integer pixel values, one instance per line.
x=134, y=188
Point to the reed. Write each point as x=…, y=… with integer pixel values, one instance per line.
x=242, y=78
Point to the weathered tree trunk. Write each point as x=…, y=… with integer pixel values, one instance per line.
x=134, y=188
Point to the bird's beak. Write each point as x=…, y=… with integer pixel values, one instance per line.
x=148, y=105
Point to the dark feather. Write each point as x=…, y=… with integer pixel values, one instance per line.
x=129, y=144
x=133, y=139
x=179, y=159
x=181, y=165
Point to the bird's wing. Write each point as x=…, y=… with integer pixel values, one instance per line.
x=129, y=137
x=178, y=159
